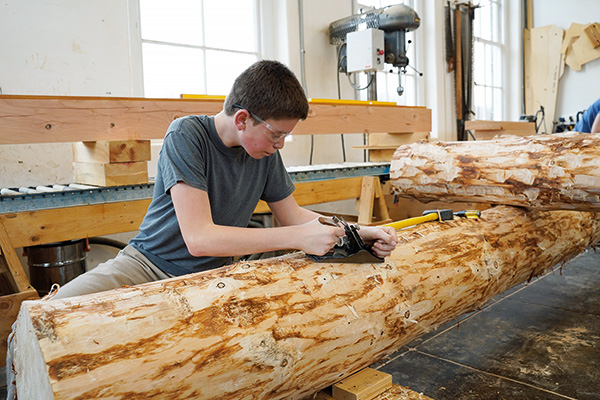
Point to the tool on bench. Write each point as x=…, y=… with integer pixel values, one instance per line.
x=350, y=249
x=434, y=215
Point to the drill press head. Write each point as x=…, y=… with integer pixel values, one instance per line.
x=394, y=21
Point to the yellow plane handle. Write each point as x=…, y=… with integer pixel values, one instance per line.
x=413, y=221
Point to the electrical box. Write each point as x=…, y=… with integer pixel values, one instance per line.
x=365, y=50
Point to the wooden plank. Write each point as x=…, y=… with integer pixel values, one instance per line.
x=547, y=63
x=572, y=34
x=483, y=125
x=363, y=385
x=593, y=33
x=55, y=225
x=51, y=119
x=286, y=327
x=395, y=139
x=9, y=308
x=323, y=119
x=113, y=151
x=112, y=174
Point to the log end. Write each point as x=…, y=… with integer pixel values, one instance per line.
x=32, y=379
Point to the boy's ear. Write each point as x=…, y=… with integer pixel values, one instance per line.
x=240, y=119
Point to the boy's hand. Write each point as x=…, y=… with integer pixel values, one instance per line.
x=383, y=239
x=317, y=238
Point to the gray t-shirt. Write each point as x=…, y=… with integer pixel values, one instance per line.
x=193, y=153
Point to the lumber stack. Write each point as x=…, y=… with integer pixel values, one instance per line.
x=111, y=163
x=286, y=327
x=557, y=171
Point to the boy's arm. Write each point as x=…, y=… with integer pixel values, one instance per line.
x=204, y=238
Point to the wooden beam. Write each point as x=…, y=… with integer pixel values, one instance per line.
x=287, y=327
x=324, y=119
x=48, y=119
x=556, y=171
x=55, y=225
x=51, y=119
x=7, y=252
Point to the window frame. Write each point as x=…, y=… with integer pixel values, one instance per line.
x=202, y=48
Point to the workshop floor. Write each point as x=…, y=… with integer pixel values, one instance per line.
x=535, y=341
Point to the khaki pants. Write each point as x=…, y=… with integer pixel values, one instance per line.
x=128, y=268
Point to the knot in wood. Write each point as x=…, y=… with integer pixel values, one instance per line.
x=221, y=285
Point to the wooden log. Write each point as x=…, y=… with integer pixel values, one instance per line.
x=286, y=327
x=557, y=171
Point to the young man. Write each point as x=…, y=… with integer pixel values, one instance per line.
x=212, y=171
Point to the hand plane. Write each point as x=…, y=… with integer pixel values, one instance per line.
x=351, y=248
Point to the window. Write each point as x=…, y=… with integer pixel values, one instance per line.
x=488, y=61
x=387, y=82
x=197, y=46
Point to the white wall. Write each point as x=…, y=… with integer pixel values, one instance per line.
x=62, y=47
x=577, y=90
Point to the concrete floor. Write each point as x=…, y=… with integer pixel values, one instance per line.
x=538, y=341
x=535, y=341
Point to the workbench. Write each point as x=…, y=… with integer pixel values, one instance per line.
x=43, y=218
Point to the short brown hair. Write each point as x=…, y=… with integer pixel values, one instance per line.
x=270, y=90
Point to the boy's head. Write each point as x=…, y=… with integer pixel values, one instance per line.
x=270, y=90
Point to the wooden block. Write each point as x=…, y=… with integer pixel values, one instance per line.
x=593, y=33
x=397, y=392
x=322, y=395
x=363, y=385
x=115, y=174
x=113, y=151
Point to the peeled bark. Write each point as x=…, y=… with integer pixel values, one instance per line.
x=286, y=327
x=549, y=172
